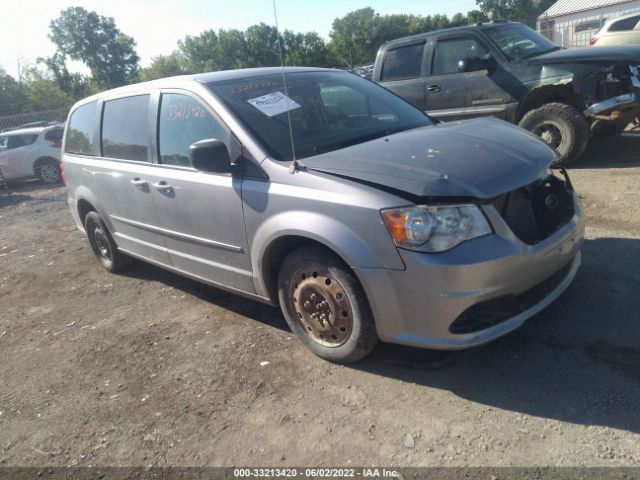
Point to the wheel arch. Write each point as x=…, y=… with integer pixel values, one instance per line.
x=540, y=96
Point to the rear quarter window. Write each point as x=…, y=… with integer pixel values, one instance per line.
x=80, y=130
x=125, y=128
x=625, y=24
x=54, y=135
x=403, y=63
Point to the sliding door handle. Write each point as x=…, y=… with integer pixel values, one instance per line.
x=433, y=88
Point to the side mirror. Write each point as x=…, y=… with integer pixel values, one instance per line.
x=210, y=155
x=475, y=64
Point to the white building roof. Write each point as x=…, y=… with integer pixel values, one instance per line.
x=566, y=7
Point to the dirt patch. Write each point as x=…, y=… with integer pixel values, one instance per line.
x=148, y=368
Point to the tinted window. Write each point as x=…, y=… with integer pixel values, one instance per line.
x=328, y=111
x=80, y=130
x=3, y=143
x=586, y=26
x=449, y=52
x=184, y=121
x=402, y=63
x=54, y=135
x=626, y=24
x=125, y=128
x=518, y=41
x=17, y=141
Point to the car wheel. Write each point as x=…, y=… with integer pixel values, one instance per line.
x=561, y=126
x=325, y=306
x=104, y=248
x=49, y=172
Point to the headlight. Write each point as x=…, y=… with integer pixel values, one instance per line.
x=435, y=229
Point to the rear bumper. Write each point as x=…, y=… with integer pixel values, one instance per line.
x=420, y=305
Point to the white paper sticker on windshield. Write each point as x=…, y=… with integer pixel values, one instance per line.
x=273, y=103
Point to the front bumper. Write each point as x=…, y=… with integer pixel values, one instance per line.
x=419, y=305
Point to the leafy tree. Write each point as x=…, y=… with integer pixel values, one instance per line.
x=163, y=66
x=262, y=45
x=305, y=49
x=96, y=41
x=75, y=85
x=42, y=91
x=354, y=37
x=12, y=96
x=525, y=11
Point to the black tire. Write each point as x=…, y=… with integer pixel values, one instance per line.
x=48, y=171
x=562, y=126
x=103, y=246
x=343, y=337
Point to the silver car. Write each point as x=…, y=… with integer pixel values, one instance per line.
x=325, y=194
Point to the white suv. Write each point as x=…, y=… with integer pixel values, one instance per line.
x=26, y=152
x=619, y=31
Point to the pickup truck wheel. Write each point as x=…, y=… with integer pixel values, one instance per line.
x=104, y=248
x=561, y=126
x=325, y=306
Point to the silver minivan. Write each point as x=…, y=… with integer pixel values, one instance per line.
x=326, y=194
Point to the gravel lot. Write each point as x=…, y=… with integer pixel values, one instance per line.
x=148, y=368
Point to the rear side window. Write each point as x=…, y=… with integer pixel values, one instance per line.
x=450, y=51
x=625, y=24
x=17, y=141
x=80, y=130
x=403, y=63
x=184, y=121
x=125, y=128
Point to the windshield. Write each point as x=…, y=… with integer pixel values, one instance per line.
x=518, y=41
x=328, y=110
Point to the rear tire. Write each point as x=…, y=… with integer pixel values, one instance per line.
x=561, y=126
x=325, y=306
x=48, y=171
x=103, y=246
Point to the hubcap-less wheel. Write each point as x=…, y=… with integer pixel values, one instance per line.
x=550, y=133
x=101, y=243
x=50, y=173
x=322, y=307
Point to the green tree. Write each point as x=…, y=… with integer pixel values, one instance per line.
x=262, y=45
x=42, y=92
x=354, y=37
x=305, y=49
x=96, y=41
x=164, y=66
x=12, y=95
x=525, y=11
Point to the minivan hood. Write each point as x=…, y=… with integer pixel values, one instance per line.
x=606, y=55
x=479, y=158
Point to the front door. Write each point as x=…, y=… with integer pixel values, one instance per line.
x=454, y=95
x=402, y=72
x=201, y=213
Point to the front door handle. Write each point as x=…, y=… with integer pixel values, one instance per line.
x=162, y=186
x=433, y=88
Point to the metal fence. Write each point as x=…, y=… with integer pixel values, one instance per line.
x=576, y=32
x=32, y=119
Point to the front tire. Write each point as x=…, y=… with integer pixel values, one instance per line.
x=103, y=246
x=561, y=126
x=325, y=306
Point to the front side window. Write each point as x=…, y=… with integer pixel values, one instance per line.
x=80, y=129
x=403, y=63
x=328, y=111
x=125, y=128
x=450, y=51
x=184, y=121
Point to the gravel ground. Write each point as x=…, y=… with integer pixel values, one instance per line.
x=148, y=368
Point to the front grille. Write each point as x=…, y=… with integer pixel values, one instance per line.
x=497, y=310
x=536, y=211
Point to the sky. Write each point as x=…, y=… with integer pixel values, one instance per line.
x=157, y=25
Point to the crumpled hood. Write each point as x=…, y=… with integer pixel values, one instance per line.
x=602, y=55
x=479, y=158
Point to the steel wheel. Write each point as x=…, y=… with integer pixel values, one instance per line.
x=325, y=306
x=322, y=307
x=550, y=133
x=102, y=244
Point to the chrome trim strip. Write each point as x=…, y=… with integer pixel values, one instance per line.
x=466, y=111
x=182, y=236
x=193, y=258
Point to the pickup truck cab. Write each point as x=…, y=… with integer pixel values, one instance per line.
x=508, y=70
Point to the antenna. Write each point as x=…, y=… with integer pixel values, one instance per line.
x=294, y=163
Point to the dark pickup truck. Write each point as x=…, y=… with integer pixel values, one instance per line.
x=508, y=70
